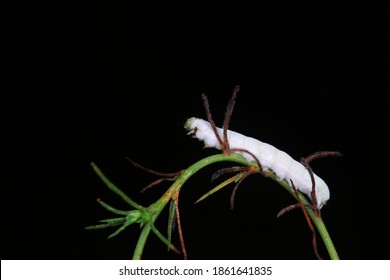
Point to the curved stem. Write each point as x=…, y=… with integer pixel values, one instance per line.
x=157, y=207
x=139, y=248
x=318, y=222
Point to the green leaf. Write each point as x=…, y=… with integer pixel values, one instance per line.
x=171, y=218
x=235, y=178
x=114, y=188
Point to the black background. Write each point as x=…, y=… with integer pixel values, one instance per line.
x=104, y=81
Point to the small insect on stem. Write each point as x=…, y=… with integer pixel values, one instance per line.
x=268, y=158
x=269, y=161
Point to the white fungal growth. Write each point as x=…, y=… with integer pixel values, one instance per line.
x=284, y=166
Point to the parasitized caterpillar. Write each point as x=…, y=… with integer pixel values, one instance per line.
x=284, y=166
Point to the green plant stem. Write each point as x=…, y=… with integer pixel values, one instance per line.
x=114, y=188
x=157, y=207
x=317, y=221
x=320, y=225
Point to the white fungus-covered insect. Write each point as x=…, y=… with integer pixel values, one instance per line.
x=284, y=166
